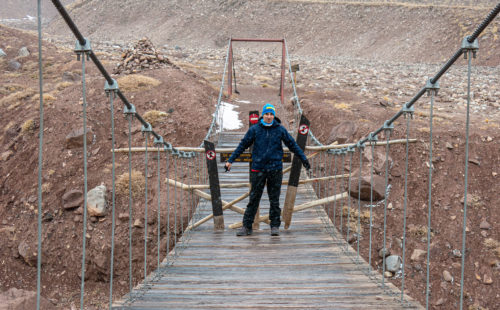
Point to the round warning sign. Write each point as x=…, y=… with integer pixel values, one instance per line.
x=254, y=118
x=303, y=129
x=210, y=155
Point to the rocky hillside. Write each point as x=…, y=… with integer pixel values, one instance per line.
x=409, y=31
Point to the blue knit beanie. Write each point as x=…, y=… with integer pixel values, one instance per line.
x=268, y=108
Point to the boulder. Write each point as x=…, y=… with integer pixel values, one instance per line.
x=2, y=53
x=23, y=52
x=418, y=255
x=29, y=252
x=72, y=199
x=75, y=138
x=16, y=299
x=379, y=159
x=393, y=263
x=70, y=77
x=343, y=132
x=378, y=187
x=13, y=65
x=96, y=201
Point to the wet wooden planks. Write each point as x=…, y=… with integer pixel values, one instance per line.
x=303, y=268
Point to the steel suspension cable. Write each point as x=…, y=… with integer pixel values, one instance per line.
x=371, y=208
x=431, y=118
x=129, y=117
x=158, y=211
x=334, y=188
x=342, y=156
x=466, y=177
x=84, y=237
x=175, y=204
x=408, y=116
x=181, y=200
x=168, y=209
x=40, y=158
x=113, y=202
x=351, y=151
x=388, y=135
x=146, y=207
x=360, y=148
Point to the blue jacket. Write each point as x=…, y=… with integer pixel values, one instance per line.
x=267, y=152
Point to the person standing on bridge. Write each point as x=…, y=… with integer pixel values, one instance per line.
x=267, y=166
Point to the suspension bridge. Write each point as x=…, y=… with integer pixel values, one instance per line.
x=315, y=263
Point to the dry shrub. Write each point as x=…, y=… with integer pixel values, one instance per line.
x=137, y=82
x=138, y=184
x=154, y=117
x=491, y=243
x=63, y=85
x=419, y=231
x=14, y=99
x=28, y=127
x=11, y=88
x=342, y=106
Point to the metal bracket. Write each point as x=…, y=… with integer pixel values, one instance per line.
x=130, y=110
x=467, y=46
x=158, y=141
x=408, y=111
x=432, y=87
x=360, y=146
x=175, y=152
x=113, y=88
x=388, y=127
x=168, y=146
x=372, y=137
x=343, y=151
x=351, y=149
x=147, y=129
x=82, y=49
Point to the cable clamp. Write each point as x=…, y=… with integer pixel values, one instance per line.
x=408, y=111
x=432, y=88
x=388, y=127
x=468, y=46
x=113, y=88
x=351, y=149
x=360, y=146
x=343, y=151
x=82, y=49
x=168, y=146
x=372, y=137
x=130, y=110
x=175, y=152
x=158, y=141
x=146, y=129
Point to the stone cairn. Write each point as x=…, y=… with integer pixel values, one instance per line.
x=141, y=57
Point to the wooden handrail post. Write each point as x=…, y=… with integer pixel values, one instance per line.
x=293, y=181
x=213, y=176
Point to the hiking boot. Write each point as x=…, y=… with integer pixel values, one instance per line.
x=275, y=231
x=243, y=231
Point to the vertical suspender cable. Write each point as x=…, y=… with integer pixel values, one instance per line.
x=349, y=200
x=466, y=179
x=371, y=206
x=328, y=169
x=388, y=135
x=168, y=208
x=129, y=117
x=334, y=188
x=113, y=221
x=405, y=203
x=175, y=202
x=359, y=200
x=146, y=207
x=40, y=157
x=158, y=224
x=84, y=237
x=427, y=288
x=181, y=200
x=342, y=156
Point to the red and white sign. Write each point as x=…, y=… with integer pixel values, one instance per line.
x=210, y=155
x=303, y=129
x=254, y=118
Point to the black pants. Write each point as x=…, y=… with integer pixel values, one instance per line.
x=258, y=181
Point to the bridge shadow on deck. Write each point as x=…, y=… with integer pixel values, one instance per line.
x=306, y=267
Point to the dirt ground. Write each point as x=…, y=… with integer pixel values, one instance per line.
x=188, y=101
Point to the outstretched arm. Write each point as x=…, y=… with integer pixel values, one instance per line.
x=295, y=148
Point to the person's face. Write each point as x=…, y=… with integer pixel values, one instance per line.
x=268, y=117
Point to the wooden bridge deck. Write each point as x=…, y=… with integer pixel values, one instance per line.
x=306, y=267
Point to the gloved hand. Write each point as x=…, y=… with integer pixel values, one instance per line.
x=307, y=165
